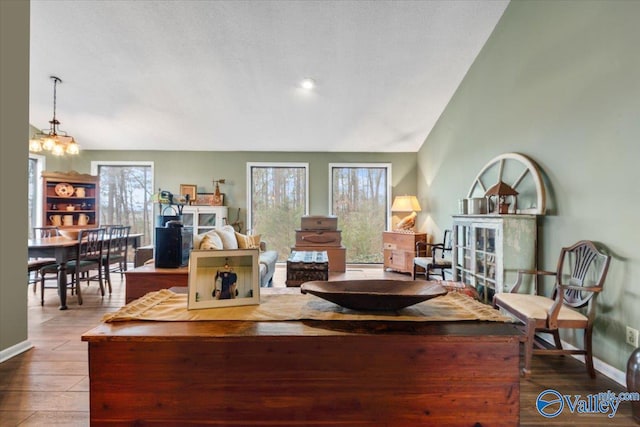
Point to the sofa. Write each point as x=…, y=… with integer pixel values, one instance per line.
x=226, y=238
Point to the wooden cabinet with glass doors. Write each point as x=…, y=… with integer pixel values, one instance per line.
x=70, y=199
x=201, y=219
x=488, y=250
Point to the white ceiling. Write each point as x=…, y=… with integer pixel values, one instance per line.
x=223, y=75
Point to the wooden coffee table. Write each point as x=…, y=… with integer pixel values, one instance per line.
x=303, y=266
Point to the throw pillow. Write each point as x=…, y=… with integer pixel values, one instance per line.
x=228, y=237
x=248, y=241
x=211, y=240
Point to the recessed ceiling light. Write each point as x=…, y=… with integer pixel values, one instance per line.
x=308, y=84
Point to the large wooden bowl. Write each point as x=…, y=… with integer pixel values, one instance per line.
x=69, y=234
x=374, y=295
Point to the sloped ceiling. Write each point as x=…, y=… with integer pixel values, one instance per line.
x=224, y=75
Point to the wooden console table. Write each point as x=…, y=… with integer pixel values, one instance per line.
x=347, y=373
x=147, y=278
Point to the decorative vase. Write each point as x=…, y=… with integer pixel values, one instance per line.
x=633, y=381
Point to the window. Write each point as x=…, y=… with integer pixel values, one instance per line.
x=277, y=197
x=360, y=195
x=126, y=195
x=36, y=166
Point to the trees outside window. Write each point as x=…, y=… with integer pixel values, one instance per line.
x=126, y=195
x=360, y=195
x=277, y=197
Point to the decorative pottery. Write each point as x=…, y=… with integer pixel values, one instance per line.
x=56, y=220
x=63, y=189
x=67, y=220
x=83, y=219
x=633, y=381
x=69, y=234
x=80, y=192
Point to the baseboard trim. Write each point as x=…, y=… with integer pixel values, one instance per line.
x=15, y=350
x=600, y=366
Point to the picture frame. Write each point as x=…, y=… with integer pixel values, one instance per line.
x=218, y=200
x=204, y=199
x=214, y=275
x=190, y=190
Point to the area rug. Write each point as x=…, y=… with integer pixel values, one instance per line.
x=166, y=305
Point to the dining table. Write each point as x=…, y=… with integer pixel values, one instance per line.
x=64, y=250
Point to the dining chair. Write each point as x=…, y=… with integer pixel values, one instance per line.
x=35, y=264
x=440, y=259
x=88, y=257
x=115, y=252
x=579, y=278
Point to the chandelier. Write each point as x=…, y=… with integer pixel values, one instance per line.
x=57, y=141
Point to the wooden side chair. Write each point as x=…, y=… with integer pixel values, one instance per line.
x=579, y=278
x=35, y=264
x=116, y=252
x=440, y=259
x=88, y=257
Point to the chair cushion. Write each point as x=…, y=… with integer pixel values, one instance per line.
x=426, y=262
x=51, y=268
x=423, y=262
x=536, y=307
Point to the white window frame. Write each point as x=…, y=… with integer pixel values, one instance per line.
x=251, y=165
x=42, y=166
x=387, y=166
x=95, y=164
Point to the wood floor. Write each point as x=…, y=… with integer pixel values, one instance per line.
x=49, y=385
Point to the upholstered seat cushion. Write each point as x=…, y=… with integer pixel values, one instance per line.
x=536, y=307
x=425, y=262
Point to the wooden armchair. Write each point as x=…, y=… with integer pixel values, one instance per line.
x=580, y=276
x=440, y=258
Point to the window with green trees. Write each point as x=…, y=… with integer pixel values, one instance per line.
x=277, y=199
x=360, y=195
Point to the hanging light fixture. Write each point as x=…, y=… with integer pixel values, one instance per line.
x=57, y=141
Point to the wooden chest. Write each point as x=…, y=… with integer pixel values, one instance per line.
x=318, y=238
x=303, y=266
x=309, y=373
x=318, y=222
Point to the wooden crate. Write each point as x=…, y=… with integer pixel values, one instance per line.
x=319, y=222
x=318, y=238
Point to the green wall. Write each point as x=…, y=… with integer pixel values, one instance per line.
x=172, y=168
x=14, y=130
x=558, y=82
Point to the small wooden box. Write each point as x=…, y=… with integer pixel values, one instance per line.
x=319, y=222
x=318, y=238
x=303, y=266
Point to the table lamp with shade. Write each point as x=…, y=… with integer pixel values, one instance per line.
x=406, y=204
